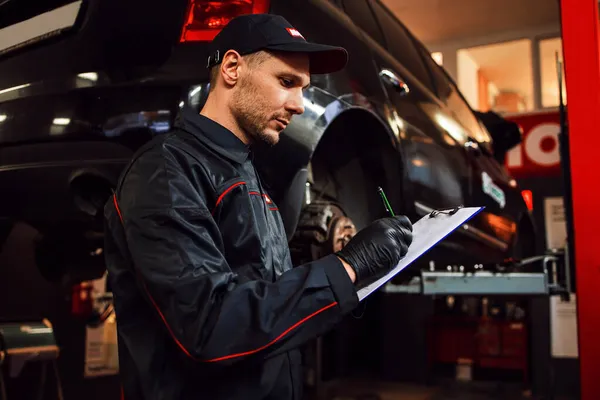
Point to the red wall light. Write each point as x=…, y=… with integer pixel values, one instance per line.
x=206, y=18
x=528, y=197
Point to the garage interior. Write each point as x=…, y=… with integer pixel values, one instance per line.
x=436, y=336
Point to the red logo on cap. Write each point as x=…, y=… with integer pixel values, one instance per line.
x=294, y=33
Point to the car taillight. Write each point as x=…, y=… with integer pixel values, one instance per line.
x=205, y=18
x=528, y=197
x=82, y=302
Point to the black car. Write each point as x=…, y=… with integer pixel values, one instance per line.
x=84, y=83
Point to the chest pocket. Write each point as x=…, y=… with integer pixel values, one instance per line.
x=252, y=231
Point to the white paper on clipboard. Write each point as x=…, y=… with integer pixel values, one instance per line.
x=427, y=232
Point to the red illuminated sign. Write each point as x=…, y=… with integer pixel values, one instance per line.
x=539, y=152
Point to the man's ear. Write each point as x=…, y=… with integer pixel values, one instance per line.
x=230, y=67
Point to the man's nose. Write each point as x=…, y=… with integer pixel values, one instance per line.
x=295, y=104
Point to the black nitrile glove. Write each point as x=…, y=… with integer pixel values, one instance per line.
x=378, y=247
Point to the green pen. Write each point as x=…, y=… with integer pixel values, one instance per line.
x=386, y=203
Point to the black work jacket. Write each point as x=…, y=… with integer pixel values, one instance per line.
x=207, y=301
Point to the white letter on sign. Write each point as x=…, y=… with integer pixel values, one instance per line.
x=514, y=157
x=533, y=144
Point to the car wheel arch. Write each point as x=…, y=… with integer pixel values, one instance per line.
x=346, y=126
x=360, y=134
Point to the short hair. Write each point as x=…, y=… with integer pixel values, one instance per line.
x=253, y=60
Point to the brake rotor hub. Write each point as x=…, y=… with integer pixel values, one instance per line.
x=341, y=231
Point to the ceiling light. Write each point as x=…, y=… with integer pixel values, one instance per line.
x=90, y=76
x=438, y=57
x=61, y=121
x=14, y=88
x=2, y=117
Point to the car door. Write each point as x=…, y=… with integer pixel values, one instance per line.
x=435, y=165
x=490, y=185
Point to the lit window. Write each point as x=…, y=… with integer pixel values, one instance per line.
x=497, y=77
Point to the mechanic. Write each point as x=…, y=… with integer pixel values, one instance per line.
x=208, y=304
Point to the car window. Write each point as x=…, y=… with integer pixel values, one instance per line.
x=449, y=94
x=360, y=13
x=440, y=80
x=463, y=113
x=400, y=44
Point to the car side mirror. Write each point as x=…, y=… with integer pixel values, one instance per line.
x=505, y=134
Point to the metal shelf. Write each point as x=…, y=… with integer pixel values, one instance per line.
x=474, y=283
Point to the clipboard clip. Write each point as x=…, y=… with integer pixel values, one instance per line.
x=451, y=211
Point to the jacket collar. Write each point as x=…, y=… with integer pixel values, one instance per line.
x=213, y=134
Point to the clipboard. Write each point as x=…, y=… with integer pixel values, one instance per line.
x=427, y=232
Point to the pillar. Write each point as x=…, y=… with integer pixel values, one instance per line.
x=580, y=27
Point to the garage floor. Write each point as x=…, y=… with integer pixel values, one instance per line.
x=447, y=390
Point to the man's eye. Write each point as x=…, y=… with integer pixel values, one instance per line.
x=286, y=82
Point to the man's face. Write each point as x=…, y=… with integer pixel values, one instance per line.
x=268, y=94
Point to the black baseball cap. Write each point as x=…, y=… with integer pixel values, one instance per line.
x=250, y=33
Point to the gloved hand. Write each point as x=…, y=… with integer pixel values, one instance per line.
x=378, y=247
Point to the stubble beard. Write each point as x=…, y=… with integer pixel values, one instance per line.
x=252, y=115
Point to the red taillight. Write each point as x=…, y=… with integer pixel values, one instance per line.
x=528, y=197
x=205, y=18
x=82, y=303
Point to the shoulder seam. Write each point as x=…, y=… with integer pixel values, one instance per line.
x=201, y=164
